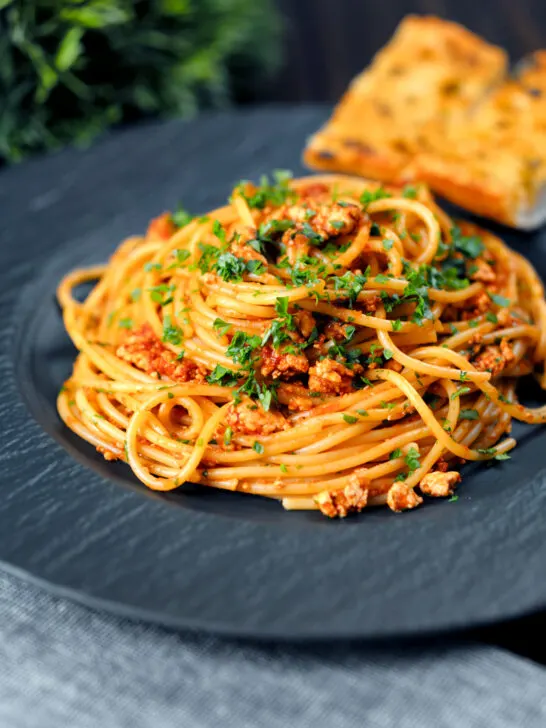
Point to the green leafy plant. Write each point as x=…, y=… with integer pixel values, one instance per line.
x=70, y=69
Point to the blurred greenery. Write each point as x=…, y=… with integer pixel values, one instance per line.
x=70, y=69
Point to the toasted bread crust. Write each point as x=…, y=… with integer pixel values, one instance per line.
x=434, y=106
x=431, y=68
x=494, y=163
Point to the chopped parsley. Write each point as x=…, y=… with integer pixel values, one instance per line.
x=412, y=460
x=460, y=392
x=125, y=323
x=372, y=195
x=258, y=447
x=172, y=334
x=181, y=217
x=228, y=434
x=241, y=347
x=352, y=284
x=209, y=255
x=162, y=294
x=221, y=327
x=148, y=267
x=468, y=414
x=181, y=256
x=274, y=192
x=395, y=454
x=136, y=294
x=229, y=267
x=277, y=332
x=409, y=192
x=350, y=419
x=499, y=300
x=453, y=498
x=470, y=246
x=387, y=244
x=219, y=231
x=222, y=376
x=490, y=316
x=387, y=405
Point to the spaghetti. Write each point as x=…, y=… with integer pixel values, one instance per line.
x=325, y=342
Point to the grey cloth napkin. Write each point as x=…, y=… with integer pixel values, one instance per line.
x=62, y=665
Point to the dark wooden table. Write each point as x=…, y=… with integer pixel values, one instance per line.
x=328, y=41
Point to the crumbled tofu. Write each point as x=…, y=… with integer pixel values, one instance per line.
x=402, y=498
x=332, y=377
x=439, y=484
x=250, y=418
x=339, y=503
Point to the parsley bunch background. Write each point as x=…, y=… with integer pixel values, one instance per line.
x=70, y=69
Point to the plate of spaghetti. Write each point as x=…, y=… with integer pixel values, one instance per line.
x=310, y=408
x=325, y=342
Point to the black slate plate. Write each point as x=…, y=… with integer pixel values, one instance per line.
x=222, y=562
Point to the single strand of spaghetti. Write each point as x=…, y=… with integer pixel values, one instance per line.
x=528, y=331
x=356, y=248
x=195, y=412
x=388, y=233
x=66, y=287
x=433, y=370
x=421, y=211
x=188, y=469
x=297, y=503
x=462, y=337
x=438, y=448
x=394, y=260
x=516, y=410
x=426, y=414
x=243, y=211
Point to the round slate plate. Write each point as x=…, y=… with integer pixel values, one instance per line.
x=228, y=563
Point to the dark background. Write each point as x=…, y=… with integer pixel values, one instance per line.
x=326, y=42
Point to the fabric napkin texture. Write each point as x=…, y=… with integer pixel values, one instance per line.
x=65, y=666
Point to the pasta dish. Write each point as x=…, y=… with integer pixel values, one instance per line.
x=326, y=342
